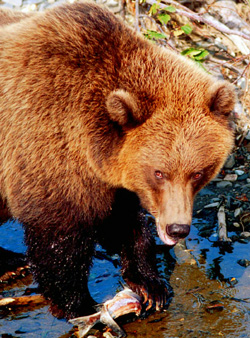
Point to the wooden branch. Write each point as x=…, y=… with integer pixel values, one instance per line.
x=222, y=225
x=34, y=300
x=225, y=64
x=137, y=27
x=177, y=4
x=11, y=276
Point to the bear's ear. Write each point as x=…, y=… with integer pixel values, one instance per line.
x=123, y=108
x=222, y=98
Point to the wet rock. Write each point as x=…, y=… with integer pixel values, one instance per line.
x=239, y=172
x=206, y=191
x=243, y=177
x=243, y=262
x=212, y=205
x=245, y=234
x=230, y=162
x=231, y=177
x=224, y=184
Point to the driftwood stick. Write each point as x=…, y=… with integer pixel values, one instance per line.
x=222, y=225
x=34, y=300
x=137, y=13
x=11, y=276
x=177, y=4
x=225, y=64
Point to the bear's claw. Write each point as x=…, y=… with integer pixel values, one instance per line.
x=156, y=294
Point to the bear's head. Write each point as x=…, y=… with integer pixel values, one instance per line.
x=169, y=154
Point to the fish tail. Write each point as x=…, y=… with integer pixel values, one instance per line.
x=85, y=323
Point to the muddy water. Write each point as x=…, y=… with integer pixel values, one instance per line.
x=211, y=293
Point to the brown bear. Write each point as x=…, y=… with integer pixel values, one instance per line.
x=97, y=125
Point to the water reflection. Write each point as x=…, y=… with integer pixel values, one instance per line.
x=205, y=277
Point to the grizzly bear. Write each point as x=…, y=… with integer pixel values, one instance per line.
x=97, y=125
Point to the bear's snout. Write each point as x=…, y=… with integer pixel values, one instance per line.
x=177, y=231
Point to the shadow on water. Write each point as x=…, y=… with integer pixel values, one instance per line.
x=211, y=293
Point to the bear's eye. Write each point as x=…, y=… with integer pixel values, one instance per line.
x=158, y=174
x=197, y=176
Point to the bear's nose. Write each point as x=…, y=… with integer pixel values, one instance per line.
x=178, y=231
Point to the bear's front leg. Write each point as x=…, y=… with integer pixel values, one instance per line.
x=139, y=268
x=126, y=232
x=60, y=258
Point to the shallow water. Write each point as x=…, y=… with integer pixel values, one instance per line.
x=210, y=298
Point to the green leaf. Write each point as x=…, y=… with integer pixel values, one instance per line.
x=154, y=8
x=191, y=51
x=187, y=29
x=155, y=35
x=164, y=18
x=195, y=54
x=202, y=55
x=170, y=9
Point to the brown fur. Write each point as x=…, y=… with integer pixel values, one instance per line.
x=89, y=111
x=8, y=16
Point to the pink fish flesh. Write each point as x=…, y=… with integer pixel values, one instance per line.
x=124, y=302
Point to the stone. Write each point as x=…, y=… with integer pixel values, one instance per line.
x=212, y=205
x=239, y=172
x=243, y=177
x=224, y=184
x=245, y=234
x=206, y=191
x=231, y=177
x=230, y=162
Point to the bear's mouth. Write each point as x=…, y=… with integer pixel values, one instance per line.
x=165, y=238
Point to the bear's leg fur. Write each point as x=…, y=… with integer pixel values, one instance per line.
x=60, y=261
x=127, y=233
